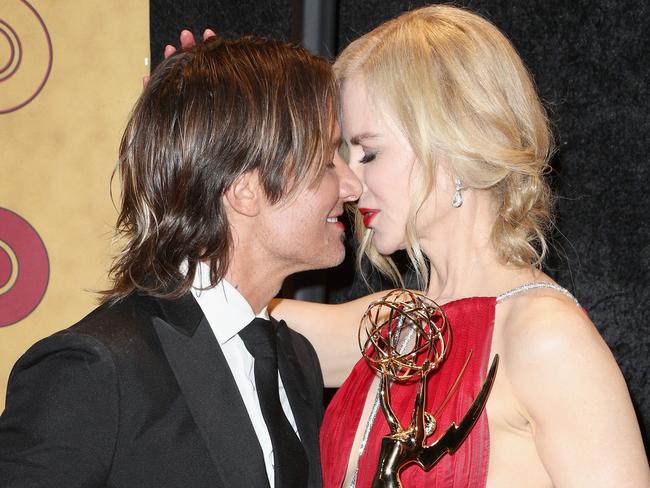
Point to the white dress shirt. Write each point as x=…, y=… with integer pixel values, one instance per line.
x=228, y=312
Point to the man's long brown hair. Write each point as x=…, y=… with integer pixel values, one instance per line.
x=207, y=115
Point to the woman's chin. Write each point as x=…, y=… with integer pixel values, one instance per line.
x=386, y=248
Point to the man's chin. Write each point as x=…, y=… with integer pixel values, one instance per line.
x=338, y=260
x=335, y=258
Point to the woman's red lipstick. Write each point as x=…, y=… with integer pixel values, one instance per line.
x=368, y=215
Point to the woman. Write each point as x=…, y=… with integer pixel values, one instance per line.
x=446, y=133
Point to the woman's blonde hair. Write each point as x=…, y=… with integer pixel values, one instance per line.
x=457, y=89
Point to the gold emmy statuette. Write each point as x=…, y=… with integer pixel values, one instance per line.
x=407, y=338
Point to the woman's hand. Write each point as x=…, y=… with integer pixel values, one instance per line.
x=186, y=39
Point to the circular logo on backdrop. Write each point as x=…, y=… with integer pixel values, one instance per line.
x=25, y=55
x=24, y=268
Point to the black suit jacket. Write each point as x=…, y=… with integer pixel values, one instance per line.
x=138, y=394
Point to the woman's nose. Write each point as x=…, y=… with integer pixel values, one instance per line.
x=349, y=184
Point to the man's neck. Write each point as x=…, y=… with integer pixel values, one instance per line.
x=256, y=274
x=255, y=284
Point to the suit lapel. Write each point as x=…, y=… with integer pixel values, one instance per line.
x=210, y=392
x=297, y=388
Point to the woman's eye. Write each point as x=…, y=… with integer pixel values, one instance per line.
x=367, y=157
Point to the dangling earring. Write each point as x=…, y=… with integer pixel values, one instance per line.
x=457, y=199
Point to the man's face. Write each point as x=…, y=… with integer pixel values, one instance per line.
x=304, y=231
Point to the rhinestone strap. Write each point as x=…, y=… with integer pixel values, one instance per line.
x=535, y=285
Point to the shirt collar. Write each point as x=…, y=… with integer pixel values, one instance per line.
x=226, y=310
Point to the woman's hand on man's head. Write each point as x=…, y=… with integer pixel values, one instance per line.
x=186, y=39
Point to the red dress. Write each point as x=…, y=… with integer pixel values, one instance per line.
x=472, y=322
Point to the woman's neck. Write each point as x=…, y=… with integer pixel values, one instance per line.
x=464, y=262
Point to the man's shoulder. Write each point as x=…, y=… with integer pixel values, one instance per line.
x=112, y=320
x=305, y=359
x=301, y=348
x=116, y=336
x=299, y=342
x=113, y=328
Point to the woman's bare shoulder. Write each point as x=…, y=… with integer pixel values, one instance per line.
x=565, y=378
x=548, y=327
x=544, y=315
x=555, y=352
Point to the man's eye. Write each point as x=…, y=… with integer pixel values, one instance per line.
x=344, y=151
x=368, y=157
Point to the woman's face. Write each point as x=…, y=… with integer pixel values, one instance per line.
x=383, y=160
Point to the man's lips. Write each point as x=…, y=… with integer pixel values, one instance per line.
x=334, y=219
x=368, y=215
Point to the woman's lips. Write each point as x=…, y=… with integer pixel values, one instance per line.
x=368, y=215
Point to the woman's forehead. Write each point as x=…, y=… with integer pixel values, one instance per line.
x=365, y=122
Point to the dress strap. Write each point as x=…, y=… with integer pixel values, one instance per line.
x=534, y=285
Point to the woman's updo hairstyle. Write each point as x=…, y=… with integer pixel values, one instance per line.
x=457, y=89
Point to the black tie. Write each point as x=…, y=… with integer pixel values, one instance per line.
x=291, y=465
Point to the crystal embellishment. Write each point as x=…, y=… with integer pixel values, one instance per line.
x=457, y=201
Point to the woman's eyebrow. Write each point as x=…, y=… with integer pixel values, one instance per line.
x=358, y=139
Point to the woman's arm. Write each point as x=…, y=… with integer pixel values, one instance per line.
x=567, y=381
x=332, y=329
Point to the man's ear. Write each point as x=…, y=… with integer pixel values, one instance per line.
x=246, y=195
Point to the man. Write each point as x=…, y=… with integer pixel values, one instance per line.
x=230, y=182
